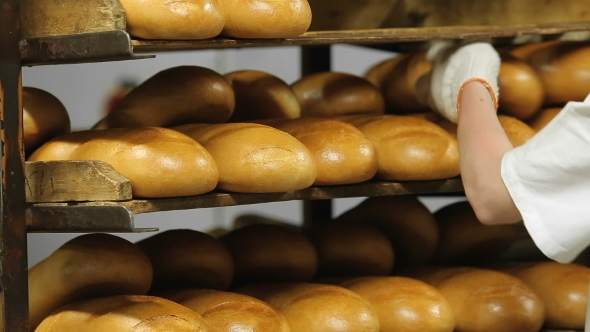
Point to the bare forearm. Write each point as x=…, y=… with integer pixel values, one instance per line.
x=482, y=144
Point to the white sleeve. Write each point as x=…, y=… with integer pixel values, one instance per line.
x=549, y=180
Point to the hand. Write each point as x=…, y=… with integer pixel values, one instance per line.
x=453, y=68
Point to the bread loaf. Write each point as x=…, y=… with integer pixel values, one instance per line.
x=404, y=304
x=188, y=258
x=266, y=18
x=517, y=131
x=317, y=307
x=342, y=153
x=399, y=87
x=175, y=96
x=382, y=70
x=230, y=312
x=485, y=300
x=44, y=117
x=521, y=89
x=269, y=253
x=350, y=249
x=91, y=265
x=408, y=224
x=159, y=162
x=466, y=241
x=563, y=288
x=564, y=70
x=124, y=313
x=328, y=94
x=260, y=95
x=249, y=219
x=254, y=158
x=156, y=19
x=541, y=119
x=409, y=148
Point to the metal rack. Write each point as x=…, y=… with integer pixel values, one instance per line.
x=25, y=43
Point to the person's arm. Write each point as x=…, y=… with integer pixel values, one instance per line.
x=482, y=145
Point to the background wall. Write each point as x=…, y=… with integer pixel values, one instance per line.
x=83, y=89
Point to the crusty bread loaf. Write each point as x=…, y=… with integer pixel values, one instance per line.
x=564, y=70
x=254, y=158
x=563, y=288
x=157, y=19
x=269, y=253
x=188, y=258
x=328, y=94
x=409, y=148
x=343, y=155
x=517, y=131
x=44, y=117
x=266, y=18
x=159, y=162
x=87, y=266
x=260, y=95
x=350, y=249
x=249, y=219
x=404, y=304
x=542, y=118
x=230, y=312
x=464, y=240
x=381, y=70
x=317, y=307
x=408, y=224
x=175, y=96
x=125, y=313
x=399, y=88
x=486, y=300
x=521, y=89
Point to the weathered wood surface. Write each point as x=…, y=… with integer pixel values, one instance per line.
x=217, y=199
x=41, y=18
x=76, y=181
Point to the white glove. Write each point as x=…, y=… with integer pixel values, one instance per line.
x=453, y=68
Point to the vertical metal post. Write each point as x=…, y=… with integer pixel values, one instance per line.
x=316, y=59
x=13, y=232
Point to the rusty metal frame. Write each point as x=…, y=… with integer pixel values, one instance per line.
x=13, y=231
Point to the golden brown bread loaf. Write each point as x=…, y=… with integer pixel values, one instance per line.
x=409, y=148
x=255, y=158
x=91, y=265
x=188, y=258
x=342, y=153
x=230, y=312
x=269, y=253
x=404, y=304
x=350, y=249
x=317, y=307
x=466, y=241
x=44, y=117
x=399, y=88
x=563, y=288
x=408, y=224
x=541, y=119
x=260, y=95
x=192, y=19
x=485, y=300
x=175, y=96
x=328, y=94
x=521, y=90
x=159, y=162
x=517, y=131
x=381, y=70
x=564, y=70
x=125, y=313
x=266, y=18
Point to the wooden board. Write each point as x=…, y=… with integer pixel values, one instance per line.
x=63, y=181
x=216, y=199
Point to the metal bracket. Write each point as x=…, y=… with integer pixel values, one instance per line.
x=78, y=48
x=52, y=218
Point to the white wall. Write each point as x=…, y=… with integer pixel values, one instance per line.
x=82, y=89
